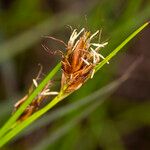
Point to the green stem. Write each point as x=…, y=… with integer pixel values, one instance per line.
x=32, y=118
x=118, y=48
x=7, y=126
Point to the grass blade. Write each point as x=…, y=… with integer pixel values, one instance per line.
x=12, y=120
x=27, y=122
x=118, y=48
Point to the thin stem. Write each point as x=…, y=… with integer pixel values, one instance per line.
x=8, y=125
x=118, y=48
x=31, y=119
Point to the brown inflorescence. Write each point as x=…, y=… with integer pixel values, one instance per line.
x=78, y=64
x=34, y=105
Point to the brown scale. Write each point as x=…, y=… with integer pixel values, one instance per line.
x=74, y=70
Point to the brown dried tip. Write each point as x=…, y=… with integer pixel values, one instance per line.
x=80, y=60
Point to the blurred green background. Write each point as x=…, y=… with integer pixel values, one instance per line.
x=116, y=119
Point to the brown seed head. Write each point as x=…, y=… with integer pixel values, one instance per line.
x=80, y=59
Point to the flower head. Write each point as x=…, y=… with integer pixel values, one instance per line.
x=78, y=64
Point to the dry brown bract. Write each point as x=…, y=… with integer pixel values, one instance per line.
x=80, y=60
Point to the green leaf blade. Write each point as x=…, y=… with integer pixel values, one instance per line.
x=16, y=115
x=118, y=48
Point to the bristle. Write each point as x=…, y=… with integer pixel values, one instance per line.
x=35, y=83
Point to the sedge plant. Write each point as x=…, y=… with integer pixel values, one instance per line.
x=81, y=61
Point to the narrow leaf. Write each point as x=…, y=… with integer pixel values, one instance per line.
x=12, y=120
x=117, y=49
